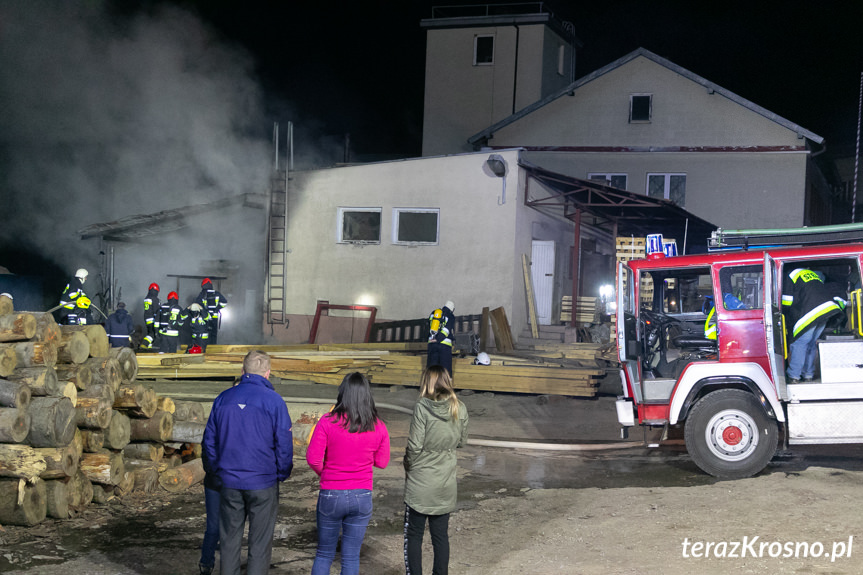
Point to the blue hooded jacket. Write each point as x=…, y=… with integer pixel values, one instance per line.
x=248, y=442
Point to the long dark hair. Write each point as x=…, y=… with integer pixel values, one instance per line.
x=355, y=406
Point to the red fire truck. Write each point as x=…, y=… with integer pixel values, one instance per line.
x=730, y=395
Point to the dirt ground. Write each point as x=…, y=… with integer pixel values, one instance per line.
x=616, y=511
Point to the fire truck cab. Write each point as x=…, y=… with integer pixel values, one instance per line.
x=730, y=395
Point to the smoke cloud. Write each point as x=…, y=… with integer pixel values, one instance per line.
x=107, y=115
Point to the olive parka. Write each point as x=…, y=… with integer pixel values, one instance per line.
x=430, y=457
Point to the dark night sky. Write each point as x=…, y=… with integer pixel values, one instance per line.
x=359, y=68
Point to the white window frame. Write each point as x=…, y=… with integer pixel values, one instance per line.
x=340, y=224
x=608, y=176
x=493, y=46
x=667, y=183
x=649, y=110
x=398, y=211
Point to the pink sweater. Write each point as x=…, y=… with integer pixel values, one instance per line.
x=344, y=460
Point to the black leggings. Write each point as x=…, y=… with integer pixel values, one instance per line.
x=415, y=523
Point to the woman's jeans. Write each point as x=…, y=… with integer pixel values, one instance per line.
x=347, y=511
x=415, y=523
x=211, y=535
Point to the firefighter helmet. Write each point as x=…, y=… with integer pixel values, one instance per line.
x=195, y=307
x=173, y=295
x=482, y=359
x=154, y=286
x=195, y=349
x=451, y=306
x=81, y=274
x=205, y=282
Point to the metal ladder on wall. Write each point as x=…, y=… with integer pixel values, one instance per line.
x=277, y=236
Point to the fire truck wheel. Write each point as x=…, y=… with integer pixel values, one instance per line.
x=729, y=435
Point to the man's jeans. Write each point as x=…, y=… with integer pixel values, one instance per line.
x=802, y=353
x=347, y=511
x=211, y=535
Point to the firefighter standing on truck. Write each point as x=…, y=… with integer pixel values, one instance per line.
x=809, y=305
x=441, y=335
x=213, y=302
x=171, y=317
x=74, y=303
x=151, y=316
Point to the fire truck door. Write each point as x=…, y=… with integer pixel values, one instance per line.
x=774, y=326
x=628, y=331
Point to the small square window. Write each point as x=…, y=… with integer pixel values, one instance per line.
x=640, y=107
x=610, y=179
x=416, y=226
x=483, y=50
x=668, y=186
x=359, y=226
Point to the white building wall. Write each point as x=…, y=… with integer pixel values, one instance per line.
x=476, y=264
x=684, y=114
x=461, y=99
x=732, y=190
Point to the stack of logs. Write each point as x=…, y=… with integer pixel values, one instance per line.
x=76, y=428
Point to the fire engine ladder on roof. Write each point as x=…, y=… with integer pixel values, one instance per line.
x=755, y=238
x=277, y=244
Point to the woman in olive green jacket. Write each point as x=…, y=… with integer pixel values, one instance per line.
x=438, y=427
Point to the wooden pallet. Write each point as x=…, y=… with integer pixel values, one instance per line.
x=630, y=248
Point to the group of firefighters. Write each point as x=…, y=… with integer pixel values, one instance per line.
x=162, y=321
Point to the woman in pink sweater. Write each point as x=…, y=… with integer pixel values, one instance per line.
x=345, y=445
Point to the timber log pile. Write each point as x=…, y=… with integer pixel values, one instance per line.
x=535, y=372
x=75, y=425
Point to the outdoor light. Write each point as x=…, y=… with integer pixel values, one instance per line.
x=497, y=165
x=606, y=291
x=366, y=299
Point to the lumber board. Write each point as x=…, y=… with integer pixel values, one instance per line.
x=531, y=300
x=501, y=330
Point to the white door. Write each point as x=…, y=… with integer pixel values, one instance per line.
x=542, y=276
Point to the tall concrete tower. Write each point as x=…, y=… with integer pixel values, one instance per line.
x=486, y=62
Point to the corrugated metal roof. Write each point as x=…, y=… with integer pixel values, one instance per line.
x=140, y=226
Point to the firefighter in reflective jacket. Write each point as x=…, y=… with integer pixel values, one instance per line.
x=441, y=335
x=809, y=305
x=171, y=317
x=151, y=316
x=74, y=303
x=213, y=302
x=198, y=317
x=710, y=322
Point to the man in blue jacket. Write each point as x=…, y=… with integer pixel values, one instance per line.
x=248, y=444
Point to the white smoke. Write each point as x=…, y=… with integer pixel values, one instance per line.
x=106, y=116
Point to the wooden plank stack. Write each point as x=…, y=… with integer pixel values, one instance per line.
x=69, y=408
x=585, y=313
x=330, y=363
